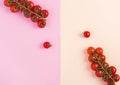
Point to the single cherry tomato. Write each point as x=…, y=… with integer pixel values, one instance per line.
x=99, y=50
x=94, y=66
x=27, y=13
x=116, y=77
x=111, y=70
x=41, y=23
x=7, y=3
x=15, y=8
x=111, y=83
x=29, y=4
x=86, y=34
x=47, y=45
x=110, y=80
x=105, y=78
x=99, y=73
x=102, y=57
x=105, y=65
x=34, y=18
x=37, y=9
x=44, y=13
x=90, y=50
x=92, y=59
x=22, y=1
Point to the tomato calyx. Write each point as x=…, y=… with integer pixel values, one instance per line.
x=44, y=13
x=116, y=77
x=99, y=73
x=41, y=23
x=37, y=9
x=7, y=3
x=14, y=7
x=34, y=18
x=29, y=5
x=27, y=13
x=111, y=70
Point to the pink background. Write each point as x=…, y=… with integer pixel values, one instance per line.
x=23, y=60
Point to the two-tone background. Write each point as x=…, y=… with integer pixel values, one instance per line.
x=23, y=60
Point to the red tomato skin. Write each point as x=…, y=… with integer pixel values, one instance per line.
x=99, y=50
x=13, y=8
x=99, y=73
x=112, y=69
x=6, y=3
x=37, y=9
x=41, y=23
x=94, y=66
x=102, y=57
x=46, y=45
x=92, y=59
x=90, y=50
x=30, y=4
x=44, y=13
x=86, y=34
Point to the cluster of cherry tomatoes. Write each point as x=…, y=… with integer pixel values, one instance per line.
x=35, y=12
x=101, y=67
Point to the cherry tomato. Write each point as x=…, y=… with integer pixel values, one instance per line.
x=92, y=58
x=94, y=66
x=22, y=1
x=110, y=80
x=99, y=50
x=105, y=78
x=86, y=34
x=111, y=70
x=15, y=8
x=41, y=23
x=7, y=3
x=46, y=45
x=90, y=50
x=44, y=13
x=105, y=64
x=102, y=57
x=99, y=73
x=37, y=9
x=27, y=13
x=29, y=4
x=34, y=18
x=111, y=83
x=116, y=77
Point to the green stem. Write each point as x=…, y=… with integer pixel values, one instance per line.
x=103, y=67
x=28, y=9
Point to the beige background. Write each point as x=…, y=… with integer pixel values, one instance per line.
x=102, y=18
